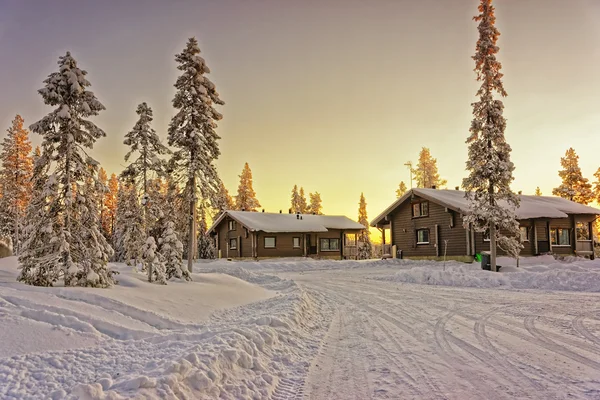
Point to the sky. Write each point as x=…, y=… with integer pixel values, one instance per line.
x=332, y=95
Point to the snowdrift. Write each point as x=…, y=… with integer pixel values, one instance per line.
x=546, y=273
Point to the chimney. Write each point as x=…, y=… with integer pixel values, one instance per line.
x=520, y=192
x=263, y=210
x=301, y=217
x=433, y=187
x=456, y=187
x=290, y=211
x=243, y=209
x=279, y=211
x=297, y=216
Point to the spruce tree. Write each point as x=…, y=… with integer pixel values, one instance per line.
x=574, y=186
x=426, y=172
x=596, y=188
x=153, y=261
x=538, y=192
x=130, y=222
x=224, y=200
x=67, y=226
x=303, y=206
x=171, y=250
x=110, y=207
x=315, y=206
x=192, y=132
x=295, y=200
x=246, y=197
x=15, y=179
x=365, y=249
x=491, y=199
x=206, y=246
x=401, y=189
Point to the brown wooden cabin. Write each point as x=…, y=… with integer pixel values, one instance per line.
x=5, y=249
x=426, y=223
x=245, y=234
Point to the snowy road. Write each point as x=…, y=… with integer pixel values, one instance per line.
x=404, y=341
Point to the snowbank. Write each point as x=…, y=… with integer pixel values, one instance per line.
x=140, y=340
x=571, y=274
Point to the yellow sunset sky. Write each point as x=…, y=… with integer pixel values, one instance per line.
x=334, y=96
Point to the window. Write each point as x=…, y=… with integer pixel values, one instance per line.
x=524, y=233
x=560, y=237
x=232, y=225
x=330, y=244
x=420, y=209
x=422, y=236
x=296, y=242
x=583, y=231
x=269, y=242
x=233, y=244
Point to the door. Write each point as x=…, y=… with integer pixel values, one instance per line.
x=308, y=248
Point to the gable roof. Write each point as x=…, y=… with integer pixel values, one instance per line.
x=530, y=206
x=281, y=223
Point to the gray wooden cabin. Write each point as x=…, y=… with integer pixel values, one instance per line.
x=425, y=223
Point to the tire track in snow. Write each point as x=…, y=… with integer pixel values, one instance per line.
x=506, y=378
x=529, y=323
x=580, y=328
x=482, y=337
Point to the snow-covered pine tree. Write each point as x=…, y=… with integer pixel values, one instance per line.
x=130, y=222
x=192, y=132
x=426, y=172
x=103, y=179
x=144, y=141
x=224, y=201
x=15, y=179
x=246, y=197
x=206, y=245
x=365, y=249
x=574, y=186
x=296, y=202
x=596, y=188
x=110, y=207
x=487, y=187
x=303, y=206
x=538, y=192
x=171, y=250
x=315, y=206
x=401, y=189
x=153, y=261
x=66, y=133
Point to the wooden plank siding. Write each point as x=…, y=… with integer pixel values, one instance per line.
x=404, y=228
x=284, y=245
x=244, y=240
x=446, y=224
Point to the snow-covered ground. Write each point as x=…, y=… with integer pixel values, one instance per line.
x=294, y=329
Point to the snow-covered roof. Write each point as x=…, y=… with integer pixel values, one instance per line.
x=280, y=223
x=530, y=206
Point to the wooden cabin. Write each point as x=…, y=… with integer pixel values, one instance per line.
x=428, y=223
x=245, y=234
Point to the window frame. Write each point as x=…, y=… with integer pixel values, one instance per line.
x=329, y=240
x=486, y=235
x=294, y=244
x=526, y=233
x=421, y=204
x=428, y=235
x=231, y=225
x=554, y=234
x=235, y=241
x=274, y=242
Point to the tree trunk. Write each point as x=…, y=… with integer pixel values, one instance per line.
x=192, y=222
